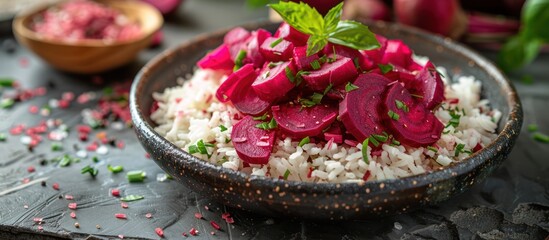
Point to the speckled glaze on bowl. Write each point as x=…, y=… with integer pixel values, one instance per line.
x=327, y=200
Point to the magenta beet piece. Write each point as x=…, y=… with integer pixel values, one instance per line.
x=276, y=49
x=301, y=60
x=236, y=40
x=429, y=85
x=253, y=54
x=225, y=91
x=273, y=83
x=410, y=121
x=359, y=110
x=291, y=34
x=253, y=145
x=298, y=122
x=375, y=55
x=339, y=72
x=334, y=133
x=218, y=59
x=397, y=53
x=353, y=54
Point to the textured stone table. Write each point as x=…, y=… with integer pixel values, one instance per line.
x=513, y=202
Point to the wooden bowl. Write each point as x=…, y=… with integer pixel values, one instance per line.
x=90, y=55
x=333, y=201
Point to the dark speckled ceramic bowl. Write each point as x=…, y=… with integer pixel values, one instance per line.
x=328, y=200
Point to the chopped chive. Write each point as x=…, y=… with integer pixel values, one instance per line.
x=266, y=74
x=315, y=65
x=209, y=145
x=299, y=77
x=304, y=141
x=356, y=62
x=287, y=174
x=395, y=142
x=56, y=146
x=393, y=115
x=136, y=176
x=238, y=61
x=131, y=198
x=3, y=137
x=6, y=103
x=350, y=87
x=202, y=147
x=65, y=161
x=290, y=75
x=459, y=149
x=276, y=42
x=273, y=64
x=532, y=127
x=334, y=57
x=261, y=118
x=227, y=140
x=374, y=141
x=328, y=88
x=267, y=125
x=88, y=169
x=115, y=169
x=6, y=82
x=193, y=149
x=401, y=105
x=385, y=68
x=222, y=128
x=223, y=160
x=95, y=159
x=431, y=148
x=381, y=138
x=540, y=137
x=365, y=151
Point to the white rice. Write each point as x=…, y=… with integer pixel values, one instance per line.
x=190, y=112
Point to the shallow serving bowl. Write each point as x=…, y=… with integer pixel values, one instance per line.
x=328, y=200
x=90, y=55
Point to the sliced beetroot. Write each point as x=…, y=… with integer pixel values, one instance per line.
x=336, y=73
x=236, y=40
x=375, y=55
x=334, y=134
x=298, y=122
x=355, y=55
x=253, y=145
x=276, y=49
x=218, y=59
x=359, y=110
x=273, y=83
x=397, y=53
x=238, y=89
x=302, y=61
x=291, y=34
x=410, y=121
x=429, y=85
x=253, y=55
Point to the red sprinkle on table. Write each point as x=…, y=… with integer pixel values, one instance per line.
x=148, y=215
x=115, y=192
x=37, y=220
x=215, y=225
x=120, y=216
x=69, y=197
x=55, y=186
x=26, y=180
x=30, y=169
x=198, y=215
x=193, y=231
x=124, y=205
x=72, y=205
x=159, y=232
x=73, y=214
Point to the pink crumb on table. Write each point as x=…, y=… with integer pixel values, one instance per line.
x=81, y=19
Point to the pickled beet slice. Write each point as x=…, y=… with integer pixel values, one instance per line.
x=253, y=55
x=276, y=49
x=302, y=61
x=410, y=121
x=353, y=54
x=226, y=90
x=339, y=72
x=429, y=85
x=397, y=53
x=298, y=122
x=273, y=83
x=375, y=55
x=236, y=40
x=291, y=34
x=253, y=145
x=218, y=59
x=359, y=109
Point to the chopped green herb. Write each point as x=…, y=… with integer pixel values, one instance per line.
x=401, y=105
x=350, y=87
x=315, y=99
x=227, y=140
x=433, y=149
x=393, y=115
x=328, y=88
x=88, y=169
x=459, y=149
x=107, y=91
x=290, y=75
x=131, y=198
x=532, y=127
x=273, y=64
x=454, y=121
x=445, y=131
x=56, y=146
x=193, y=149
x=65, y=161
x=287, y=174
x=374, y=141
x=540, y=137
x=304, y=141
x=334, y=55
x=222, y=128
x=261, y=118
x=315, y=65
x=276, y=42
x=267, y=125
x=385, y=68
x=266, y=74
x=6, y=103
x=357, y=63
x=223, y=160
x=3, y=137
x=6, y=82
x=527, y=79
x=238, y=61
x=299, y=77
x=365, y=151
x=202, y=148
x=395, y=142
x=95, y=159
x=115, y=169
x=136, y=176
x=381, y=138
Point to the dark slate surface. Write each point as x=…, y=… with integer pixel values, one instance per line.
x=512, y=203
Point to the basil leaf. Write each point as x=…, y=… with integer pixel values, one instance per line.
x=354, y=35
x=315, y=44
x=518, y=52
x=535, y=17
x=300, y=16
x=332, y=18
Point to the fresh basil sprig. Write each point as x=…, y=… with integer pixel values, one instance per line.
x=329, y=28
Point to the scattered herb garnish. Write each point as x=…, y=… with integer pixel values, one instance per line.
x=202, y=147
x=393, y=115
x=276, y=42
x=304, y=141
x=381, y=138
x=6, y=82
x=454, y=121
x=56, y=146
x=357, y=63
x=3, y=137
x=290, y=75
x=433, y=149
x=287, y=174
x=131, y=198
x=136, y=176
x=261, y=118
x=459, y=149
x=395, y=142
x=374, y=141
x=223, y=160
x=267, y=125
x=6, y=103
x=532, y=127
x=401, y=105
x=350, y=87
x=238, y=60
x=315, y=65
x=540, y=137
x=222, y=128
x=115, y=169
x=325, y=29
x=365, y=151
x=385, y=68
x=89, y=169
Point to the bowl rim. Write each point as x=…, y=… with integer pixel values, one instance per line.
x=21, y=29
x=509, y=132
